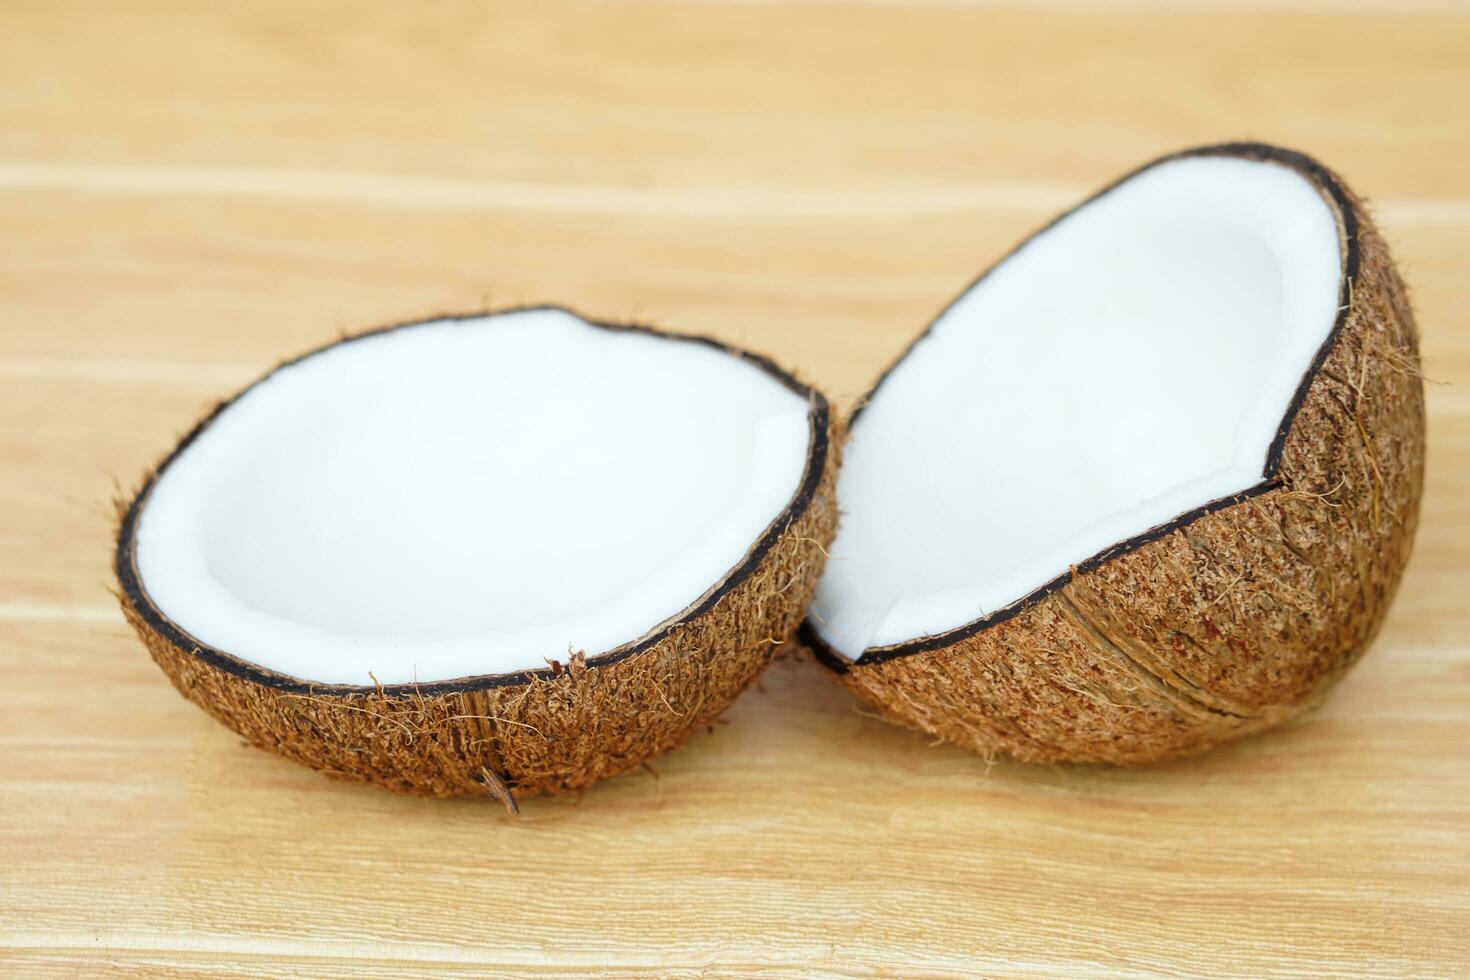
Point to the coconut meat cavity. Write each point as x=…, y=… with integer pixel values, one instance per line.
x=468, y=497
x=1130, y=364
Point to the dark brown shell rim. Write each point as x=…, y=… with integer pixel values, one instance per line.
x=1348, y=229
x=137, y=597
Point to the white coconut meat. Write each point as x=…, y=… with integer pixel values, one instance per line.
x=469, y=497
x=1130, y=364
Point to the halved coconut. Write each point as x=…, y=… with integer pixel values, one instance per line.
x=1148, y=484
x=518, y=551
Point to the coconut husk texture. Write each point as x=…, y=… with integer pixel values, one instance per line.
x=553, y=730
x=1230, y=620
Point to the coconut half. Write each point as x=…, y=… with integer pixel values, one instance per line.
x=515, y=552
x=1148, y=484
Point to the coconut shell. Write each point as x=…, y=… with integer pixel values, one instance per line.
x=552, y=730
x=1231, y=619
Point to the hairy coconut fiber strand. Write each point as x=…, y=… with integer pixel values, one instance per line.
x=545, y=731
x=1230, y=623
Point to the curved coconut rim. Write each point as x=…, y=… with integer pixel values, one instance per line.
x=1347, y=222
x=136, y=595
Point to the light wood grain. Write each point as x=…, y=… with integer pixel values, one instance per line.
x=189, y=193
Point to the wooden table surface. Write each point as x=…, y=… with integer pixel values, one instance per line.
x=190, y=192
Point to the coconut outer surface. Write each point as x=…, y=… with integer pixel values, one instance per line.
x=557, y=730
x=1232, y=622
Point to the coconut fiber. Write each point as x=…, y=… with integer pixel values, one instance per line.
x=560, y=729
x=1232, y=619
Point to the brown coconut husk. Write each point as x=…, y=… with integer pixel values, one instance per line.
x=558, y=729
x=1231, y=619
